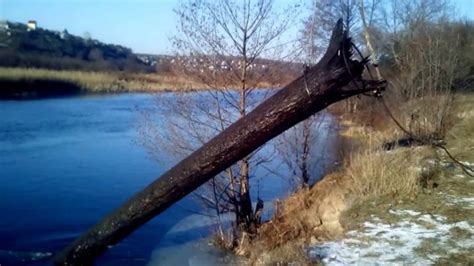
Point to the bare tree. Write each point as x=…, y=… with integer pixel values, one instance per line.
x=317, y=25
x=425, y=51
x=405, y=18
x=298, y=145
x=220, y=44
x=302, y=149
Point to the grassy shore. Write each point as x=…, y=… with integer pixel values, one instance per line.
x=31, y=82
x=20, y=80
x=344, y=218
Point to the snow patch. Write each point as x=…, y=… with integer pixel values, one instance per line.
x=467, y=163
x=463, y=202
x=404, y=212
x=381, y=243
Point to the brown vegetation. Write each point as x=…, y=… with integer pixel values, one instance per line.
x=424, y=64
x=313, y=214
x=102, y=82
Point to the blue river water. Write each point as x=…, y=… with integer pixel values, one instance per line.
x=66, y=162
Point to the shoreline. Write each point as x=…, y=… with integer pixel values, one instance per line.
x=31, y=83
x=346, y=217
x=26, y=83
x=42, y=89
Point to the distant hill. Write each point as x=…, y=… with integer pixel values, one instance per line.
x=29, y=46
x=23, y=45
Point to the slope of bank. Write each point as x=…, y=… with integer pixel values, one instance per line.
x=406, y=205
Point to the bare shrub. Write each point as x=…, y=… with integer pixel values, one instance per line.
x=219, y=44
x=303, y=147
x=427, y=66
x=424, y=48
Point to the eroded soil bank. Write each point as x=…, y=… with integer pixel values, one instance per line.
x=408, y=205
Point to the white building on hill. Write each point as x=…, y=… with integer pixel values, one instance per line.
x=3, y=25
x=31, y=25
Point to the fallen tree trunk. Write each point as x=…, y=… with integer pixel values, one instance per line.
x=319, y=86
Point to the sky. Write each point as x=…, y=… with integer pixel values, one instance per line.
x=143, y=25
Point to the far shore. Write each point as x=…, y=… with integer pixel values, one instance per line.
x=24, y=83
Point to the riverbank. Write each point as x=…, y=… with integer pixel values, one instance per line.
x=30, y=82
x=21, y=83
x=408, y=205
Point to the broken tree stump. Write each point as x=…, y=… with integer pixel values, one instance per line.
x=334, y=78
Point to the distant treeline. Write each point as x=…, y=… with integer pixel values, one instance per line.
x=41, y=48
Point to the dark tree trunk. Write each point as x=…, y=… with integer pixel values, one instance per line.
x=305, y=174
x=245, y=213
x=320, y=86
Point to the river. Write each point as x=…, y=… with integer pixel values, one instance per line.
x=66, y=162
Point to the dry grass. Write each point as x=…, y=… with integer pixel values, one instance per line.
x=369, y=173
x=460, y=137
x=312, y=215
x=371, y=181
x=104, y=81
x=452, y=184
x=375, y=172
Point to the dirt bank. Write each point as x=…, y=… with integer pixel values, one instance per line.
x=408, y=205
